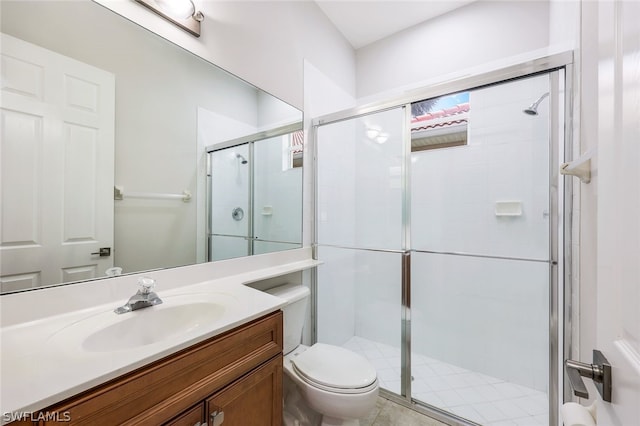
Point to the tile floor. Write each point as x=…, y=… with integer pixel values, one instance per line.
x=388, y=413
x=480, y=398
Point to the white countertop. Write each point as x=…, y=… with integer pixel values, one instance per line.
x=39, y=369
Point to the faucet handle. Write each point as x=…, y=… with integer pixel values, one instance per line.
x=146, y=284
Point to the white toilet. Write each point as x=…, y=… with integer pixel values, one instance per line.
x=337, y=383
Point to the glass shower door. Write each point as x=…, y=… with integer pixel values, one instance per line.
x=230, y=209
x=480, y=279
x=360, y=238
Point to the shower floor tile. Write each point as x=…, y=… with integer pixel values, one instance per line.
x=477, y=397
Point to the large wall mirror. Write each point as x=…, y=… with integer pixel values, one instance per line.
x=106, y=129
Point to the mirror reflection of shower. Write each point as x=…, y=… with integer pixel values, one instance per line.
x=533, y=108
x=254, y=194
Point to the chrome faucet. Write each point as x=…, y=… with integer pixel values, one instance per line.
x=143, y=298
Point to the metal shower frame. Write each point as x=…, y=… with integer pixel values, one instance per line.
x=560, y=198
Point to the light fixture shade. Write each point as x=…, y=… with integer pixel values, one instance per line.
x=181, y=9
x=180, y=12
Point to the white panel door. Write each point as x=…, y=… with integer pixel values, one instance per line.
x=618, y=180
x=57, y=158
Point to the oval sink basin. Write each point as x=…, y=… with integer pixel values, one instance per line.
x=177, y=317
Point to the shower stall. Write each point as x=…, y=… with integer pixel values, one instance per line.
x=441, y=222
x=254, y=188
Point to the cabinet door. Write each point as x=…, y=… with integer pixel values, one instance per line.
x=192, y=417
x=255, y=399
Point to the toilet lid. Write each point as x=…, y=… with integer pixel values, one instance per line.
x=335, y=367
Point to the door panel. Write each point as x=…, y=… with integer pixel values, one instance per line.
x=480, y=270
x=360, y=233
x=618, y=187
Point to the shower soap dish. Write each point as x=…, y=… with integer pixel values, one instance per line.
x=508, y=208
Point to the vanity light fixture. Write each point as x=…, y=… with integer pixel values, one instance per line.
x=182, y=13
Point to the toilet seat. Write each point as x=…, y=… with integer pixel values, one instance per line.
x=335, y=369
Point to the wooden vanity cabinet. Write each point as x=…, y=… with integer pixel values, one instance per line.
x=238, y=373
x=255, y=399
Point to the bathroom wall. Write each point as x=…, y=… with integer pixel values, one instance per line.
x=471, y=36
x=264, y=42
x=322, y=96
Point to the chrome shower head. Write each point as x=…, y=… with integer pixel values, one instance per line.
x=242, y=159
x=533, y=108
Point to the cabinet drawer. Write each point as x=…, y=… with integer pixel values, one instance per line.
x=155, y=393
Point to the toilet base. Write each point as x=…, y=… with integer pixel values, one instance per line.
x=298, y=413
x=296, y=410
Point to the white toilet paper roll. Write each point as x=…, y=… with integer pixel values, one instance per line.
x=574, y=414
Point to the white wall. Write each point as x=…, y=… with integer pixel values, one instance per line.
x=264, y=43
x=321, y=96
x=472, y=35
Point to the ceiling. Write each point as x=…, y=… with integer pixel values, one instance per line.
x=365, y=21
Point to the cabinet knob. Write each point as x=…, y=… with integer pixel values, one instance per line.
x=217, y=417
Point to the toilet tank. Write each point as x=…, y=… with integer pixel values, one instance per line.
x=295, y=312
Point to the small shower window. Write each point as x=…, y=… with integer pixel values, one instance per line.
x=439, y=122
x=296, y=147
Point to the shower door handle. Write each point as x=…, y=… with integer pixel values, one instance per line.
x=599, y=372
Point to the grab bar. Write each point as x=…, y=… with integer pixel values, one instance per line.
x=119, y=194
